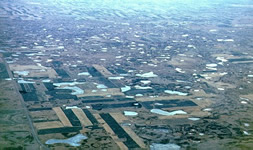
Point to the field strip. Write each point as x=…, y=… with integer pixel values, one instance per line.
x=102, y=70
x=48, y=125
x=120, y=118
x=121, y=145
x=143, y=99
x=65, y=121
x=134, y=136
x=82, y=117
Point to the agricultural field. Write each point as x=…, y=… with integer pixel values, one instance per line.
x=15, y=131
x=142, y=75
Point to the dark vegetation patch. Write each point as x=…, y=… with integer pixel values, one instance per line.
x=117, y=70
x=97, y=100
x=57, y=64
x=101, y=78
x=49, y=86
x=62, y=73
x=37, y=121
x=90, y=116
x=72, y=117
x=101, y=99
x=59, y=130
x=61, y=94
x=168, y=104
x=31, y=96
x=129, y=142
x=94, y=72
x=91, y=97
x=240, y=59
x=7, y=54
x=124, y=99
x=94, y=127
x=119, y=105
x=107, y=82
x=137, y=91
x=3, y=71
x=62, y=97
x=209, y=71
x=27, y=87
x=117, y=83
x=14, y=148
x=120, y=71
x=40, y=109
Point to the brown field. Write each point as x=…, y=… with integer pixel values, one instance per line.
x=249, y=96
x=16, y=67
x=82, y=117
x=119, y=117
x=35, y=71
x=48, y=73
x=103, y=70
x=187, y=62
x=44, y=115
x=48, y=125
x=65, y=121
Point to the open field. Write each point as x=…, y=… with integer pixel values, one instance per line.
x=14, y=127
x=126, y=74
x=63, y=118
x=120, y=118
x=82, y=117
x=111, y=133
x=48, y=125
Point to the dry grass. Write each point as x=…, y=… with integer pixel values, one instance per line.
x=110, y=91
x=35, y=71
x=103, y=70
x=16, y=67
x=44, y=115
x=119, y=117
x=82, y=117
x=65, y=121
x=48, y=125
x=249, y=96
x=48, y=73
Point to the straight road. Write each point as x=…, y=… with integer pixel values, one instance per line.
x=33, y=131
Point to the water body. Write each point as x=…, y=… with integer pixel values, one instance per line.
x=130, y=113
x=115, y=78
x=156, y=146
x=166, y=113
x=73, y=141
x=23, y=73
x=126, y=88
x=176, y=93
x=77, y=90
x=84, y=74
x=147, y=75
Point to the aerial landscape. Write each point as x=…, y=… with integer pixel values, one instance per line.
x=126, y=74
